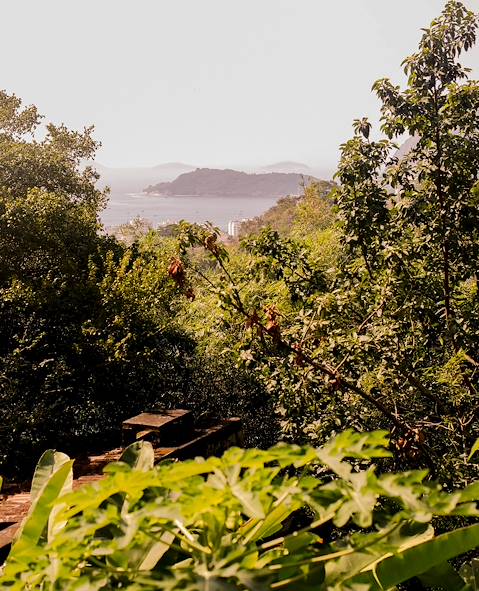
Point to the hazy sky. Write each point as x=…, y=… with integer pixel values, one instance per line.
x=210, y=82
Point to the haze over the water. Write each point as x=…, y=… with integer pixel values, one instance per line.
x=210, y=82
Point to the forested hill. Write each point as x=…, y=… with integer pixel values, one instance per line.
x=230, y=183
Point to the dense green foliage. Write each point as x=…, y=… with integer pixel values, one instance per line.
x=88, y=331
x=81, y=344
x=385, y=333
x=234, y=523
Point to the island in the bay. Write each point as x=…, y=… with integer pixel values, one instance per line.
x=231, y=183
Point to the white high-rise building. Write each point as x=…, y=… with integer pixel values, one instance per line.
x=234, y=227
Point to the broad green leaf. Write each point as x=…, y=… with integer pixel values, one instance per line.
x=474, y=449
x=443, y=576
x=422, y=558
x=55, y=521
x=36, y=521
x=139, y=456
x=50, y=461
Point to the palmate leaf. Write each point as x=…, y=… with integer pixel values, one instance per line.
x=208, y=524
x=250, y=502
x=350, y=444
x=257, y=529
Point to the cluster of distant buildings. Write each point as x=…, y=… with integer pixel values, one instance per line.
x=139, y=226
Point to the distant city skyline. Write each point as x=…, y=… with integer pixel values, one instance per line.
x=211, y=83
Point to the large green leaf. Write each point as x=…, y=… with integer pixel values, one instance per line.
x=421, y=559
x=49, y=462
x=443, y=576
x=139, y=456
x=37, y=519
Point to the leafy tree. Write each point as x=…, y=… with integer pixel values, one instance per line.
x=52, y=163
x=388, y=336
x=87, y=331
x=87, y=326
x=414, y=223
x=89, y=334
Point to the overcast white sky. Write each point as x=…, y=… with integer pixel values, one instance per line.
x=210, y=82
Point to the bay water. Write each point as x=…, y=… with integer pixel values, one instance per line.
x=123, y=207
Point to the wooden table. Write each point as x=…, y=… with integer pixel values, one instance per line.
x=166, y=426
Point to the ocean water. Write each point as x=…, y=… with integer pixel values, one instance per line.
x=122, y=207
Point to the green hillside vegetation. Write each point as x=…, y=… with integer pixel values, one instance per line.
x=89, y=332
x=310, y=211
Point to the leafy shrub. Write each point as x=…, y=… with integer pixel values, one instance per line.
x=229, y=523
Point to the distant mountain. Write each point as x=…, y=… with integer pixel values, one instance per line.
x=130, y=180
x=231, y=183
x=287, y=167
